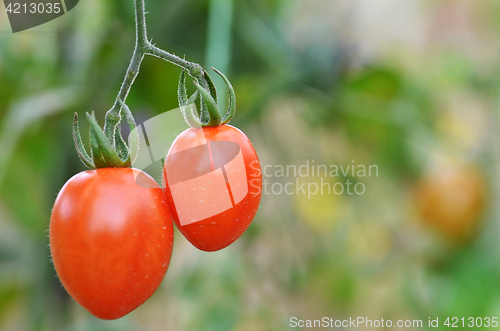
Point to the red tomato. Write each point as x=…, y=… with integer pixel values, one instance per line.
x=111, y=239
x=213, y=184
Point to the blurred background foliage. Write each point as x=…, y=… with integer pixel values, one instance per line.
x=410, y=86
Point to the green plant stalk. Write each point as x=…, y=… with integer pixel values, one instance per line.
x=142, y=47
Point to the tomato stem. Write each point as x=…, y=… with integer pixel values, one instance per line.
x=107, y=145
x=144, y=47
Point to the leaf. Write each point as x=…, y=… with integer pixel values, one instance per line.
x=80, y=148
x=134, y=138
x=211, y=86
x=213, y=110
x=103, y=153
x=181, y=91
x=231, y=109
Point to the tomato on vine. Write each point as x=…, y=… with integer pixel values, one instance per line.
x=111, y=232
x=111, y=239
x=211, y=175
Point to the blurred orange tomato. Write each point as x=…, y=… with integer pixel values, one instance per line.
x=451, y=201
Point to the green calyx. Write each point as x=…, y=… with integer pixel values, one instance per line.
x=208, y=96
x=103, y=152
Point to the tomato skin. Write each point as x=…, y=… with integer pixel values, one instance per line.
x=221, y=230
x=451, y=201
x=111, y=240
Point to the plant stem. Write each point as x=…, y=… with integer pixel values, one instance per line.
x=142, y=47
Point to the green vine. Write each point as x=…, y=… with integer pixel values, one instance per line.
x=108, y=149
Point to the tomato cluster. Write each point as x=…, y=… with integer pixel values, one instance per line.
x=111, y=229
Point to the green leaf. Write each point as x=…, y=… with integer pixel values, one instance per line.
x=192, y=98
x=96, y=153
x=103, y=153
x=188, y=114
x=190, y=117
x=181, y=91
x=213, y=110
x=80, y=148
x=231, y=109
x=120, y=146
x=134, y=138
x=211, y=86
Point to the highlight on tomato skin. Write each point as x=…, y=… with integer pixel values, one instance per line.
x=213, y=184
x=452, y=201
x=111, y=239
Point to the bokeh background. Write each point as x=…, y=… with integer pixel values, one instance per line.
x=410, y=86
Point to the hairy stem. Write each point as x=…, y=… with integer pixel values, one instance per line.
x=142, y=47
